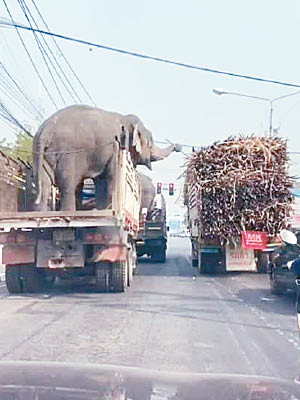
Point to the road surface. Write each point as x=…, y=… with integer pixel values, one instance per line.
x=167, y=321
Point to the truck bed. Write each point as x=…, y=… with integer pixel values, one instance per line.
x=49, y=219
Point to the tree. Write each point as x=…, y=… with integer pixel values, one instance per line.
x=21, y=148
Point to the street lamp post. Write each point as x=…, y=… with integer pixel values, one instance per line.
x=219, y=92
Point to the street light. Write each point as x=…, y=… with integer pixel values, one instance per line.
x=220, y=92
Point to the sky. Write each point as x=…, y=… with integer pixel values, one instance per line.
x=254, y=37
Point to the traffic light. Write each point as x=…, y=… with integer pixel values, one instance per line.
x=171, y=189
x=158, y=187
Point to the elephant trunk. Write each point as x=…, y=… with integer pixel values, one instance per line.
x=158, y=154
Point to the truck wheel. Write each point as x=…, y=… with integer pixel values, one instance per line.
x=194, y=263
x=48, y=282
x=31, y=279
x=275, y=288
x=131, y=262
x=13, y=279
x=102, y=277
x=262, y=262
x=134, y=267
x=119, y=277
x=158, y=255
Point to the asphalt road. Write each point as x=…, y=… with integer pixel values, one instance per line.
x=167, y=321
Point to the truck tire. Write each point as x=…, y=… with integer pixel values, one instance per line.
x=194, y=263
x=131, y=263
x=102, y=277
x=134, y=270
x=158, y=254
x=13, y=279
x=119, y=277
x=31, y=279
x=262, y=262
x=275, y=288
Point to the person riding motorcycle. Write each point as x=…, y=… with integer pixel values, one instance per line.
x=288, y=253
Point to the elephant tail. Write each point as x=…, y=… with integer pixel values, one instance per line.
x=38, y=162
x=37, y=170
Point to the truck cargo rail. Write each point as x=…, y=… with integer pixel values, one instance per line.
x=48, y=219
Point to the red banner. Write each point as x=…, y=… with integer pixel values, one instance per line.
x=254, y=240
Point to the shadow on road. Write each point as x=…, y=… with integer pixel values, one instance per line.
x=174, y=266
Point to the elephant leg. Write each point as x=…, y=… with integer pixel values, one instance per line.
x=101, y=192
x=78, y=196
x=68, y=200
x=104, y=187
x=68, y=179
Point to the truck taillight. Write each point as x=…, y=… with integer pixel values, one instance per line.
x=95, y=237
x=25, y=238
x=20, y=238
x=6, y=238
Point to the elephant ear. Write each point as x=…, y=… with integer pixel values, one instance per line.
x=136, y=140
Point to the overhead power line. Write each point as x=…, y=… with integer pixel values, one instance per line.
x=64, y=57
x=152, y=58
x=63, y=79
x=8, y=116
x=21, y=92
x=28, y=54
x=42, y=51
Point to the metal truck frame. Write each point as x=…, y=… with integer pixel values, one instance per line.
x=40, y=246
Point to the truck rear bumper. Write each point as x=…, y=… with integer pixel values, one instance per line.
x=59, y=255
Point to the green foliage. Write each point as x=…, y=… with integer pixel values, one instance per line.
x=20, y=149
x=23, y=147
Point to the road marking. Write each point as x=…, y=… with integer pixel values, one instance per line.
x=203, y=345
x=266, y=299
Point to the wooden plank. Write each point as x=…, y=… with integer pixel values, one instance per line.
x=57, y=214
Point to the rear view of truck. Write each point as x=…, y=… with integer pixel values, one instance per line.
x=152, y=236
x=237, y=189
x=100, y=244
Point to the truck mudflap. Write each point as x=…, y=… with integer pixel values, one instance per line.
x=112, y=254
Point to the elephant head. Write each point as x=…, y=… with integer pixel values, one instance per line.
x=142, y=145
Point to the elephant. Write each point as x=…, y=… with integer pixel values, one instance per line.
x=148, y=197
x=147, y=192
x=79, y=142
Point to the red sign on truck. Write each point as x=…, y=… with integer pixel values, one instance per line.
x=254, y=240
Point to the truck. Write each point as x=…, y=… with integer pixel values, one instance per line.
x=236, y=188
x=152, y=235
x=39, y=246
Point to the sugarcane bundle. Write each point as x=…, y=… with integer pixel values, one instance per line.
x=12, y=172
x=240, y=184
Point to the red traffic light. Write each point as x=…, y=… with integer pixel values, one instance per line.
x=171, y=189
x=158, y=187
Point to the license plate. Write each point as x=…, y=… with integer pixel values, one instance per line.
x=64, y=235
x=54, y=263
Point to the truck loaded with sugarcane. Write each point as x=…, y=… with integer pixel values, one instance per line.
x=238, y=195
x=84, y=217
